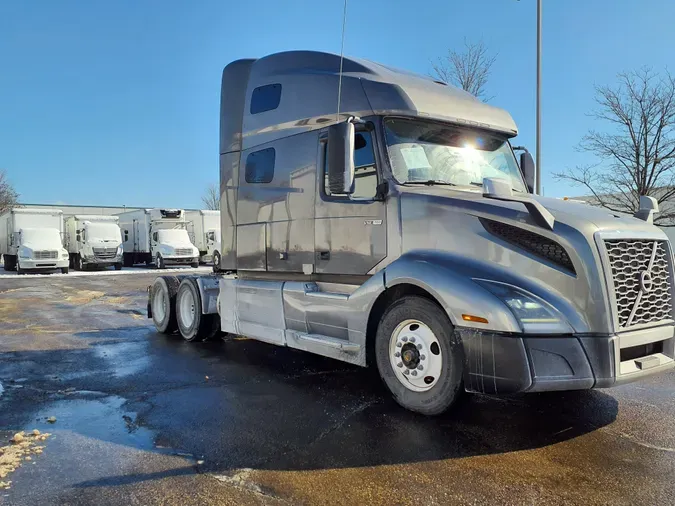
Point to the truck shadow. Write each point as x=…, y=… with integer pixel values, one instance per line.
x=248, y=405
x=276, y=409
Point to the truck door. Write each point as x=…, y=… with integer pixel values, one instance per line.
x=350, y=230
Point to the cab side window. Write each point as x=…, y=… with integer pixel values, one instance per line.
x=365, y=169
x=154, y=236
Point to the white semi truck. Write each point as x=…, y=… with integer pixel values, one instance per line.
x=93, y=241
x=157, y=235
x=32, y=240
x=402, y=232
x=203, y=228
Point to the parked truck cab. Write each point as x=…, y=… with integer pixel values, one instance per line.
x=94, y=241
x=31, y=240
x=157, y=236
x=403, y=232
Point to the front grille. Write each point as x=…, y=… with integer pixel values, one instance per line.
x=641, y=276
x=183, y=252
x=45, y=255
x=105, y=252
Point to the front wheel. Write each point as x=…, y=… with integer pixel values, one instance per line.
x=64, y=270
x=216, y=262
x=118, y=267
x=159, y=262
x=418, y=356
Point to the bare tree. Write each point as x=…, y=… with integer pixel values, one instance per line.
x=8, y=197
x=468, y=69
x=636, y=154
x=211, y=197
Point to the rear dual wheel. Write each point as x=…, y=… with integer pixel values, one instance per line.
x=193, y=325
x=176, y=305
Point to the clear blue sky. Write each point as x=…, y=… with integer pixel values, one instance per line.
x=116, y=102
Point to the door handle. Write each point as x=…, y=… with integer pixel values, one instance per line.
x=324, y=255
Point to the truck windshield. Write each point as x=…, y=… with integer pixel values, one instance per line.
x=436, y=153
x=43, y=236
x=103, y=232
x=175, y=235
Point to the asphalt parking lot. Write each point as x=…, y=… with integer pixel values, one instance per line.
x=142, y=418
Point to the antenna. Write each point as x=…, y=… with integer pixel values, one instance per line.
x=342, y=48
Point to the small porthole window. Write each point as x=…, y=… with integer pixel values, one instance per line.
x=265, y=98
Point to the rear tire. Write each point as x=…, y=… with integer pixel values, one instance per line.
x=163, y=300
x=192, y=324
x=415, y=337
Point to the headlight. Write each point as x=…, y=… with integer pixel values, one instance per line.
x=25, y=253
x=64, y=254
x=534, y=315
x=166, y=250
x=120, y=250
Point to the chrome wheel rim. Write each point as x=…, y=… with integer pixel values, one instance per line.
x=187, y=308
x=415, y=355
x=159, y=305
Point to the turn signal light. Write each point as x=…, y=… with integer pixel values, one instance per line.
x=474, y=318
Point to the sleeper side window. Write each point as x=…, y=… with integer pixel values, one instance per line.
x=365, y=169
x=265, y=98
x=260, y=166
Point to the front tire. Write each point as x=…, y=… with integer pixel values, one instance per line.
x=19, y=270
x=418, y=356
x=192, y=324
x=118, y=267
x=159, y=262
x=64, y=270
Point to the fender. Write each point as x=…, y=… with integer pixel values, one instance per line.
x=449, y=282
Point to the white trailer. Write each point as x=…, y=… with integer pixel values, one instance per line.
x=32, y=239
x=93, y=241
x=203, y=228
x=157, y=235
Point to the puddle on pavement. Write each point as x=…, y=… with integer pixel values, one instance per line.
x=101, y=418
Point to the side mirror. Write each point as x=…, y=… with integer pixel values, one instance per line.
x=528, y=170
x=341, y=158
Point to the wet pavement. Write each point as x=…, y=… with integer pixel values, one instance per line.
x=143, y=418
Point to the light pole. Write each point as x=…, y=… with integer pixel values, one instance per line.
x=538, y=133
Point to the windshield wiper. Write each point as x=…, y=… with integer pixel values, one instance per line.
x=432, y=182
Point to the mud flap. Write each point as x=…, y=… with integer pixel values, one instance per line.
x=149, y=305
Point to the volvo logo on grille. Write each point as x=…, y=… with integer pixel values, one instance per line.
x=645, y=281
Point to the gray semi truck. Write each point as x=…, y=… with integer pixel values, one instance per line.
x=394, y=225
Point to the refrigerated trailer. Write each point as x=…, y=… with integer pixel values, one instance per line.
x=157, y=235
x=32, y=240
x=203, y=228
x=93, y=241
x=402, y=231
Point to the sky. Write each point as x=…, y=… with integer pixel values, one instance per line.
x=116, y=103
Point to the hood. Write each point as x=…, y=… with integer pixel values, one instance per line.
x=107, y=243
x=177, y=244
x=38, y=239
x=585, y=218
